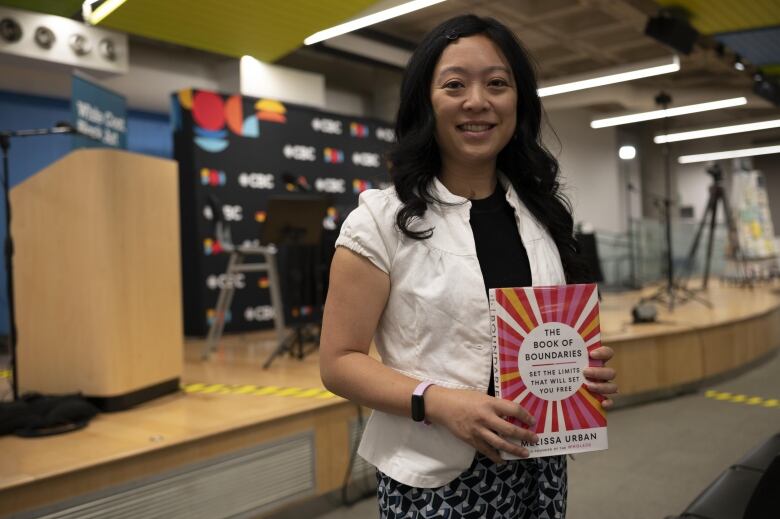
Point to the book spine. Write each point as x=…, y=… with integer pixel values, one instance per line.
x=494, y=336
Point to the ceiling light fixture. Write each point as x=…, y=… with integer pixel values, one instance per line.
x=97, y=15
x=732, y=154
x=713, y=132
x=627, y=152
x=647, y=69
x=371, y=19
x=669, y=112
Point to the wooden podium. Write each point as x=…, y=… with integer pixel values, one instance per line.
x=97, y=278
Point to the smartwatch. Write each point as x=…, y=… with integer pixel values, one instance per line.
x=418, y=402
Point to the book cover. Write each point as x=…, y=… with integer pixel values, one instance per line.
x=541, y=340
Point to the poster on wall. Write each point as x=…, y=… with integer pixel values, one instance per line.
x=239, y=151
x=98, y=114
x=750, y=205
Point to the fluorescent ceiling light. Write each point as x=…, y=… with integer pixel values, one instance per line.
x=732, y=154
x=619, y=75
x=371, y=19
x=96, y=16
x=712, y=132
x=669, y=112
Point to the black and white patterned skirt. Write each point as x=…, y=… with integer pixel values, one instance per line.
x=520, y=489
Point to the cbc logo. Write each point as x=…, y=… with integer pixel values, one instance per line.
x=259, y=313
x=330, y=185
x=366, y=159
x=331, y=126
x=224, y=281
x=300, y=152
x=231, y=213
x=256, y=180
x=385, y=134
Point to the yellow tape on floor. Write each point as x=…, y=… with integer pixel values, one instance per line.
x=739, y=398
x=240, y=389
x=248, y=389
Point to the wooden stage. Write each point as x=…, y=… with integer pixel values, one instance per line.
x=287, y=440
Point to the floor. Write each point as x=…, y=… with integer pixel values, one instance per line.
x=662, y=454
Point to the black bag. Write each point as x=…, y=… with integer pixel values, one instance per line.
x=36, y=415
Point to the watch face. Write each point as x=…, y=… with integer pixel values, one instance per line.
x=44, y=37
x=10, y=30
x=418, y=408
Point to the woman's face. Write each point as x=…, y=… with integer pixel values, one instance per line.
x=474, y=100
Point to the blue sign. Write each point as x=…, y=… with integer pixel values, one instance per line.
x=99, y=115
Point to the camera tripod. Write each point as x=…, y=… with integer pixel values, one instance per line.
x=717, y=197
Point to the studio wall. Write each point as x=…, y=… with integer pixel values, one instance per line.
x=240, y=151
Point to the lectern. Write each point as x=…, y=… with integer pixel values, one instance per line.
x=97, y=278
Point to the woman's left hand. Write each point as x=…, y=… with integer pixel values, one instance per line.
x=599, y=380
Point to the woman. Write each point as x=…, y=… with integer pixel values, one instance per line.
x=475, y=205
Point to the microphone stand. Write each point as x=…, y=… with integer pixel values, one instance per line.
x=5, y=144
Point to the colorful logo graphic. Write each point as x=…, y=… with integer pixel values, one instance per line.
x=271, y=111
x=260, y=216
x=214, y=116
x=212, y=177
x=330, y=222
x=333, y=155
x=211, y=247
x=359, y=185
x=262, y=282
x=358, y=130
x=302, y=311
x=211, y=315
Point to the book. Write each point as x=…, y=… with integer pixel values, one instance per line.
x=541, y=340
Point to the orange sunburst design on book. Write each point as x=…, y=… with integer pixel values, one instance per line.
x=542, y=337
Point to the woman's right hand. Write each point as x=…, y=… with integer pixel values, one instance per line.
x=478, y=419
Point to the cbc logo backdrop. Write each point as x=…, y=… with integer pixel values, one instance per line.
x=258, y=150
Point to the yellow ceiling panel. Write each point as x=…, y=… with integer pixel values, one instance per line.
x=717, y=16
x=265, y=29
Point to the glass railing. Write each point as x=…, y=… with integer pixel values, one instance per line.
x=630, y=260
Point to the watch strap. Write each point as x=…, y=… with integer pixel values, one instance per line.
x=418, y=402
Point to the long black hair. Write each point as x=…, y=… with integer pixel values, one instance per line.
x=533, y=171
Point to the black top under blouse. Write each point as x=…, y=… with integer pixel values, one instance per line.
x=502, y=257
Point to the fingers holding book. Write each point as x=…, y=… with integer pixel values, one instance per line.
x=479, y=420
x=600, y=379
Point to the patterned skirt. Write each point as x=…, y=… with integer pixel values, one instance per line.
x=519, y=489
